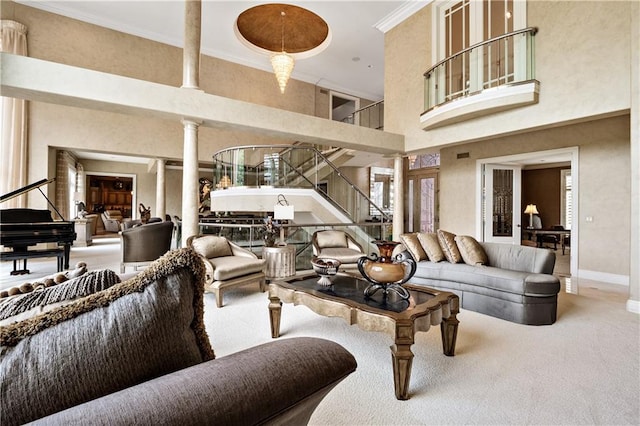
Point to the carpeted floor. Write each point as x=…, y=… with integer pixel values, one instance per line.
x=584, y=369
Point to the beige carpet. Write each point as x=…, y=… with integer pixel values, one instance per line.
x=584, y=369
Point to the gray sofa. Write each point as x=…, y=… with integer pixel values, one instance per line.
x=515, y=285
x=137, y=352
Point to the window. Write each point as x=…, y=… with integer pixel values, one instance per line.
x=462, y=24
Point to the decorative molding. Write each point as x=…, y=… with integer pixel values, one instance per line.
x=400, y=14
x=604, y=277
x=487, y=102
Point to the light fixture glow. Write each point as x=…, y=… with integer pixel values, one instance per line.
x=282, y=62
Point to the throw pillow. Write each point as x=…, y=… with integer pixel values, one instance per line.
x=327, y=239
x=132, y=332
x=471, y=250
x=449, y=247
x=211, y=246
x=412, y=243
x=30, y=304
x=431, y=246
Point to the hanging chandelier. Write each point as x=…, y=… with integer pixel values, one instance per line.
x=282, y=62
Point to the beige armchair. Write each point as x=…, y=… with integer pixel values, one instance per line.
x=337, y=245
x=112, y=220
x=143, y=244
x=227, y=264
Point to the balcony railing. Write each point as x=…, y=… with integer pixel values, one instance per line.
x=504, y=60
x=287, y=166
x=371, y=116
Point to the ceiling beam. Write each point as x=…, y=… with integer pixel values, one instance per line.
x=38, y=80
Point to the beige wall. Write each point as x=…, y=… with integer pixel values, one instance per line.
x=604, y=192
x=582, y=62
x=59, y=39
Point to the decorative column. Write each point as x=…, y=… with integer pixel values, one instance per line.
x=398, y=197
x=191, y=51
x=190, y=188
x=190, y=81
x=161, y=184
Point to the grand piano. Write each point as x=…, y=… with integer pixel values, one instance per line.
x=21, y=228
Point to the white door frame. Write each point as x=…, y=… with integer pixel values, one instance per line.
x=524, y=158
x=356, y=119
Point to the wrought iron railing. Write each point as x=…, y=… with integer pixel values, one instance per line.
x=504, y=60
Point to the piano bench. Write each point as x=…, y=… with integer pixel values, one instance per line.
x=24, y=255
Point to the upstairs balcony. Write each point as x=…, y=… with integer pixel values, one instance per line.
x=495, y=75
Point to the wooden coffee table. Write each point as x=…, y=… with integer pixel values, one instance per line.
x=401, y=318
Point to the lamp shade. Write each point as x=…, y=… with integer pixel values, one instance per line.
x=531, y=209
x=282, y=64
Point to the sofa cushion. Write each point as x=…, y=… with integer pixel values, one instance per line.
x=412, y=243
x=131, y=332
x=471, y=251
x=331, y=239
x=28, y=305
x=431, y=246
x=228, y=267
x=211, y=246
x=449, y=247
x=343, y=254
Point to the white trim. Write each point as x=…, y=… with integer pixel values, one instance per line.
x=633, y=306
x=400, y=15
x=604, y=277
x=522, y=159
x=340, y=95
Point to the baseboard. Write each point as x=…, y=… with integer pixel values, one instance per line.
x=604, y=277
x=633, y=306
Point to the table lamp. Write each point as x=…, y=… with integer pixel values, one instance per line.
x=531, y=210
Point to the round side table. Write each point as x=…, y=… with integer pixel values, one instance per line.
x=280, y=261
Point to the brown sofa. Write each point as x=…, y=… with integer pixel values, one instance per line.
x=136, y=352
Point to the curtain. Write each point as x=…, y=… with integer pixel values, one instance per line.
x=13, y=123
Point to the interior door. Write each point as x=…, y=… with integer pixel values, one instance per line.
x=502, y=195
x=422, y=201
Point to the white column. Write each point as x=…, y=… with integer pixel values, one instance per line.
x=398, y=197
x=190, y=80
x=191, y=50
x=161, y=185
x=633, y=303
x=190, y=181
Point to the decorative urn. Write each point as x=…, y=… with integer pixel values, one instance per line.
x=386, y=272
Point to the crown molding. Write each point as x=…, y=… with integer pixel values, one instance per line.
x=400, y=14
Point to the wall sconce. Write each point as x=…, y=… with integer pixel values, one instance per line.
x=531, y=210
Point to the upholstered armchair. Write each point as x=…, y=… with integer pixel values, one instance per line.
x=227, y=264
x=337, y=245
x=112, y=220
x=143, y=244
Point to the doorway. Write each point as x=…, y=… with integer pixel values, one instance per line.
x=486, y=198
x=110, y=191
x=422, y=201
x=342, y=108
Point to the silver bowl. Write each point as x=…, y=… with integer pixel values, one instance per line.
x=326, y=268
